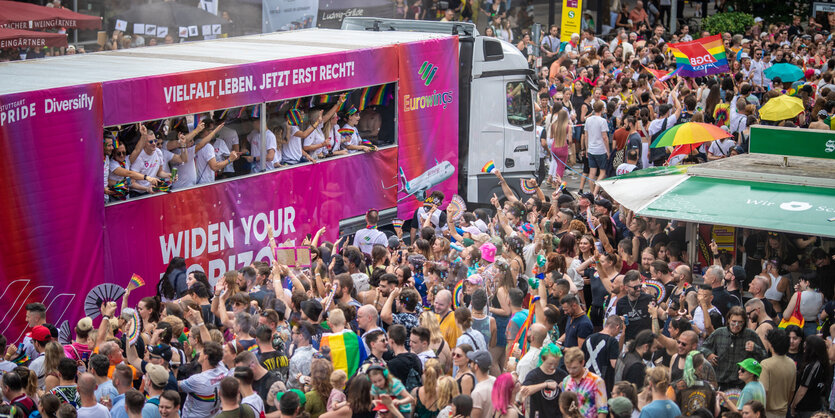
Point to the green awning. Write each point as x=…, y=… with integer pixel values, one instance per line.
x=670, y=193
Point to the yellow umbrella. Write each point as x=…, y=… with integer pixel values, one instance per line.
x=781, y=108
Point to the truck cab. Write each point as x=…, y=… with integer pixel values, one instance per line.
x=497, y=91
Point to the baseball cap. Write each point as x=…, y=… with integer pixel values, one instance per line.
x=467, y=242
x=41, y=334
x=312, y=308
x=475, y=279
x=739, y=273
x=587, y=196
x=488, y=252
x=482, y=358
x=394, y=242
x=161, y=350
x=380, y=408
x=758, y=19
x=157, y=374
x=751, y=365
x=604, y=202
x=620, y=405
x=564, y=198
x=84, y=324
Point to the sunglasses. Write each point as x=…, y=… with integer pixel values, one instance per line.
x=681, y=343
x=122, y=153
x=152, y=141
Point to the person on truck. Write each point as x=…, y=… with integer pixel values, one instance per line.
x=355, y=142
x=273, y=156
x=292, y=152
x=316, y=144
x=114, y=168
x=146, y=159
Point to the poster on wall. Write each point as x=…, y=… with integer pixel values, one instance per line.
x=52, y=222
x=283, y=15
x=331, y=12
x=428, y=108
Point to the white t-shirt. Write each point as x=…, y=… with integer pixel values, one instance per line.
x=254, y=139
x=187, y=171
x=596, y=126
x=315, y=138
x=110, y=172
x=204, y=171
x=37, y=367
x=292, y=150
x=656, y=125
x=205, y=386
x=96, y=411
x=7, y=366
x=222, y=152
x=721, y=147
x=365, y=239
x=255, y=402
x=147, y=164
x=625, y=168
x=230, y=139
x=354, y=139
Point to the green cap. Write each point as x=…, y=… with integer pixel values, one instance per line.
x=752, y=366
x=620, y=405
x=468, y=242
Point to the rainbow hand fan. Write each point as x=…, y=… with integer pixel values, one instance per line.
x=136, y=281
x=457, y=207
x=132, y=327
x=528, y=185
x=660, y=290
x=457, y=294
x=397, y=223
x=489, y=167
x=346, y=131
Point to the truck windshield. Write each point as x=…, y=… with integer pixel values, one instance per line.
x=519, y=105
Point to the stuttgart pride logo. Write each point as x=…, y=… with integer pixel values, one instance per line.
x=427, y=72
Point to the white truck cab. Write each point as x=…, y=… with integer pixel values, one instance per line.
x=496, y=99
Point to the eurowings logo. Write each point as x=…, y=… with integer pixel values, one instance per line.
x=427, y=72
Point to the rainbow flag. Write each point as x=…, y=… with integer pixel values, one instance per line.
x=552, y=91
x=137, y=281
x=662, y=75
x=521, y=335
x=701, y=57
x=381, y=97
x=347, y=351
x=366, y=98
x=457, y=293
x=489, y=167
x=294, y=117
x=397, y=223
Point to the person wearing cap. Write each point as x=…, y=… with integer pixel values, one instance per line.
x=749, y=372
x=154, y=383
x=483, y=390
x=80, y=348
x=159, y=355
x=620, y=407
x=40, y=337
x=365, y=239
x=820, y=122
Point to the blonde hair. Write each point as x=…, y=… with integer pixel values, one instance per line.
x=447, y=389
x=338, y=379
x=573, y=354
x=336, y=318
x=53, y=354
x=431, y=371
x=177, y=325
x=216, y=335
x=658, y=378
x=559, y=130
x=429, y=321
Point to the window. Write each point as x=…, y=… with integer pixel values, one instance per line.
x=519, y=105
x=493, y=50
x=172, y=156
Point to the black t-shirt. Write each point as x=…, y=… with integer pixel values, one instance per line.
x=580, y=327
x=660, y=238
x=544, y=402
x=813, y=378
x=724, y=300
x=262, y=388
x=275, y=361
x=637, y=314
x=600, y=349
x=400, y=365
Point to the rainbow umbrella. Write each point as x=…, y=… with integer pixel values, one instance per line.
x=689, y=133
x=781, y=108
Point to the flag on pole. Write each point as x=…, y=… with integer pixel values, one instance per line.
x=701, y=57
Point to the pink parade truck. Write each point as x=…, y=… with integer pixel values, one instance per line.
x=441, y=101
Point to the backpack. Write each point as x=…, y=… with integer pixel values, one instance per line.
x=413, y=380
x=658, y=154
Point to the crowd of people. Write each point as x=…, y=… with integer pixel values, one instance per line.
x=554, y=306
